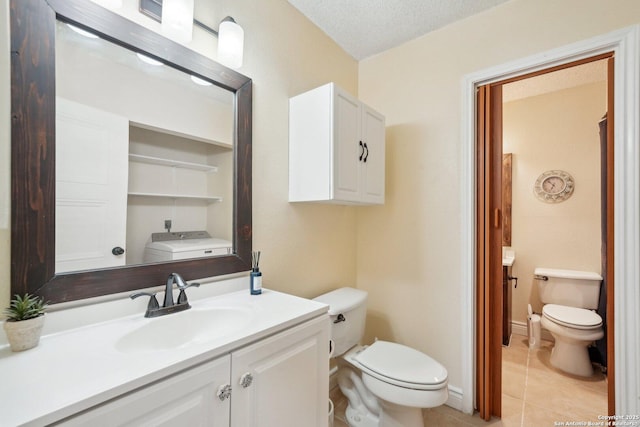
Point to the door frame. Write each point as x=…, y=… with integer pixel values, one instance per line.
x=625, y=44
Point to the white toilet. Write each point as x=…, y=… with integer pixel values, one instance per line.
x=386, y=384
x=569, y=298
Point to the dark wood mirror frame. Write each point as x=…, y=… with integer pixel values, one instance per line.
x=33, y=29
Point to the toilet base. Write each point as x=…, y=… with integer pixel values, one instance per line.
x=572, y=358
x=392, y=416
x=357, y=418
x=400, y=416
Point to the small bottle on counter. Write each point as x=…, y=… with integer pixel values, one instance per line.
x=256, y=275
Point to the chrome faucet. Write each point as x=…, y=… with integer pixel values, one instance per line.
x=168, y=307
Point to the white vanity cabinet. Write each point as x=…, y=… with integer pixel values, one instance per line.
x=185, y=399
x=281, y=380
x=336, y=148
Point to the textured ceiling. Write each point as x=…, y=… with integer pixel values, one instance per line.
x=558, y=80
x=366, y=27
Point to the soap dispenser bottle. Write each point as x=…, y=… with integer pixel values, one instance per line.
x=256, y=275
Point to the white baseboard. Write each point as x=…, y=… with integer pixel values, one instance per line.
x=520, y=328
x=455, y=398
x=333, y=378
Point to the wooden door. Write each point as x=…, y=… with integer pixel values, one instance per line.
x=91, y=186
x=489, y=250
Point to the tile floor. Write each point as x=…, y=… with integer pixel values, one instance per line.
x=533, y=394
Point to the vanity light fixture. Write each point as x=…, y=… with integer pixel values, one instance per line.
x=230, y=35
x=230, y=43
x=177, y=20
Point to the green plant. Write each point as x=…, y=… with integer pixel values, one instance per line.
x=25, y=307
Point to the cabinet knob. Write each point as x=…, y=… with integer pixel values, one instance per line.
x=366, y=156
x=246, y=380
x=117, y=250
x=224, y=392
x=362, y=151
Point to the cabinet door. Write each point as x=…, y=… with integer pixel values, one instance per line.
x=286, y=379
x=185, y=399
x=347, y=147
x=372, y=165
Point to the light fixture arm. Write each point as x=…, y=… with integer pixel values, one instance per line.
x=208, y=28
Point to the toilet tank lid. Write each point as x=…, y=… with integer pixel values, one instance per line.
x=342, y=300
x=567, y=274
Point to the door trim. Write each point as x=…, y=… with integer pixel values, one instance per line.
x=625, y=44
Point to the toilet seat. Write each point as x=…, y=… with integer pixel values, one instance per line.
x=402, y=366
x=572, y=317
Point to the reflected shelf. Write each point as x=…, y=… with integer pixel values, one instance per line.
x=170, y=162
x=210, y=199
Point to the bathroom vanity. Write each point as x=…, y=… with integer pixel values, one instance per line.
x=231, y=360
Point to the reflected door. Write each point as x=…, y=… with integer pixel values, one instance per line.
x=91, y=187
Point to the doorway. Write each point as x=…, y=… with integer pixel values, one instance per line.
x=550, y=124
x=489, y=269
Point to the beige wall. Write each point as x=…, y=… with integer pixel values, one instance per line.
x=409, y=249
x=558, y=130
x=306, y=249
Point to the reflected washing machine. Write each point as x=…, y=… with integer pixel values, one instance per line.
x=173, y=246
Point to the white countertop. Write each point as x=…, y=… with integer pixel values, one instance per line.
x=78, y=368
x=508, y=257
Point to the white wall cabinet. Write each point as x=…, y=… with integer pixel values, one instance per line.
x=336, y=148
x=282, y=380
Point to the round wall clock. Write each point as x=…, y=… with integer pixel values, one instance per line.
x=554, y=186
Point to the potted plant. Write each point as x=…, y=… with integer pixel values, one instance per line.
x=25, y=318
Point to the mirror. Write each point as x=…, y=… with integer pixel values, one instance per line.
x=136, y=159
x=40, y=155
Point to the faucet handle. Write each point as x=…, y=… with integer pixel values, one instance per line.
x=182, y=297
x=181, y=283
x=153, y=302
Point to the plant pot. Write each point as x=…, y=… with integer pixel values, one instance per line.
x=24, y=334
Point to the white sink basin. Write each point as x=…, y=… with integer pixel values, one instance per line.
x=196, y=325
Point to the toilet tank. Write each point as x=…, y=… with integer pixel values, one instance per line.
x=568, y=287
x=348, y=312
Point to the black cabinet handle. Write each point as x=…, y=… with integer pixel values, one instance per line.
x=361, y=152
x=117, y=250
x=367, y=154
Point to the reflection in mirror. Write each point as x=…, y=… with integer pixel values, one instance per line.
x=144, y=168
x=34, y=168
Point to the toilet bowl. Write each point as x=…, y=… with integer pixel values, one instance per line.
x=573, y=330
x=386, y=384
x=570, y=298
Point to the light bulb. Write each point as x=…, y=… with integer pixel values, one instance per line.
x=177, y=20
x=230, y=43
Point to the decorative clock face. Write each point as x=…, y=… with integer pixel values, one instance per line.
x=554, y=186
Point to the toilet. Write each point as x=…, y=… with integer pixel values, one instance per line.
x=386, y=384
x=570, y=298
